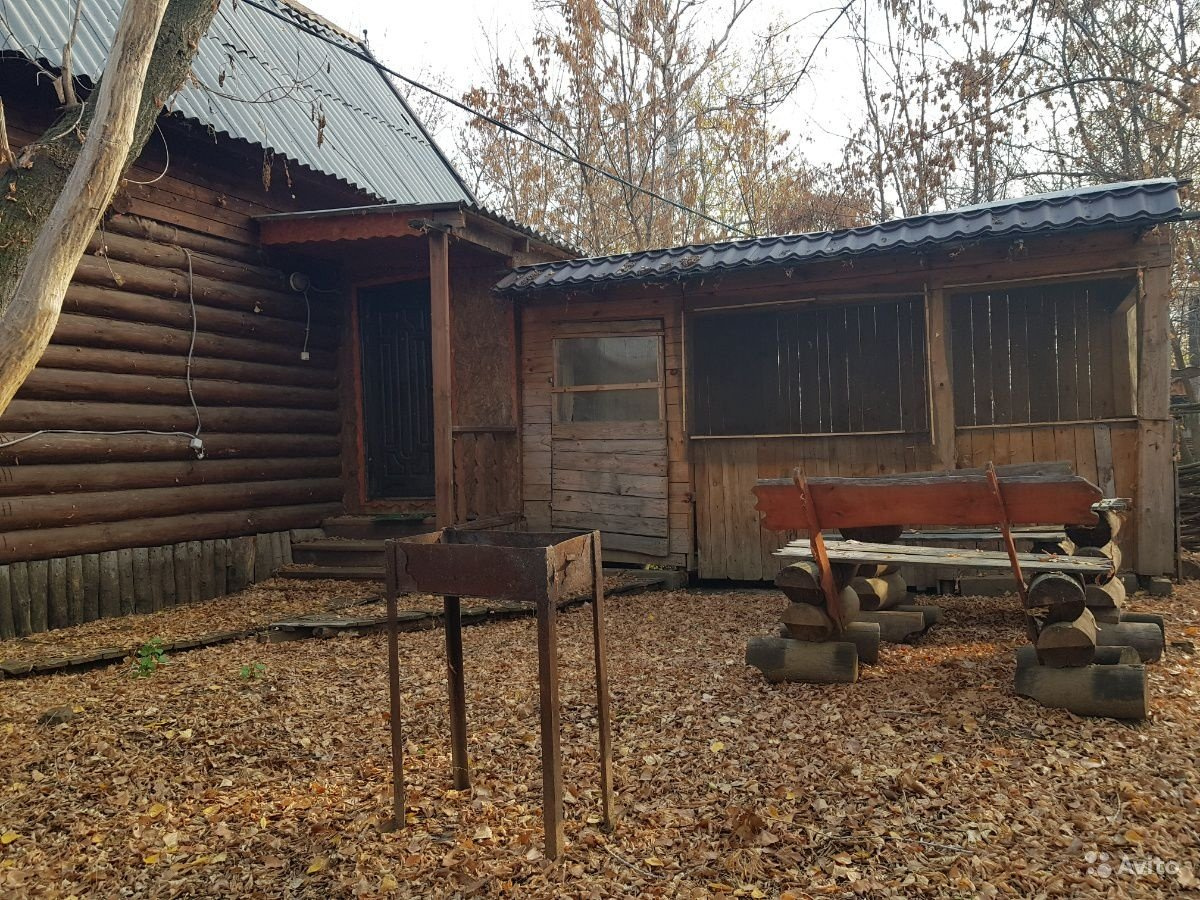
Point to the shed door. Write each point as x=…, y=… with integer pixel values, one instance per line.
x=397, y=391
x=609, y=435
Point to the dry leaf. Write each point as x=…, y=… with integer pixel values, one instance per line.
x=8, y=837
x=317, y=865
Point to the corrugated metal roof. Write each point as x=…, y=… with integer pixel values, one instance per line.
x=1102, y=206
x=271, y=84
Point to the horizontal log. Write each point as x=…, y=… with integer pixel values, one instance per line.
x=880, y=593
x=1105, y=656
x=57, y=510
x=780, y=659
x=1096, y=535
x=209, y=291
x=44, y=543
x=66, y=384
x=56, y=479
x=88, y=448
x=1110, y=551
x=1144, y=637
x=153, y=230
x=1146, y=618
x=1105, y=600
x=127, y=362
x=170, y=255
x=895, y=627
x=1062, y=645
x=1059, y=594
x=34, y=415
x=1113, y=691
x=111, y=303
x=77, y=330
x=931, y=614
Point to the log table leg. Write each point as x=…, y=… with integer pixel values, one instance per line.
x=398, y=792
x=602, y=707
x=552, y=778
x=456, y=683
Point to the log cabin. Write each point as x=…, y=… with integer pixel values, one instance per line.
x=657, y=387
x=210, y=391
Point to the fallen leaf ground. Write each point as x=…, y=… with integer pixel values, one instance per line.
x=926, y=778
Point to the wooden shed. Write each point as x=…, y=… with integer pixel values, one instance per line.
x=657, y=387
x=220, y=377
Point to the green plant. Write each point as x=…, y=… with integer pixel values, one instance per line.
x=252, y=671
x=149, y=657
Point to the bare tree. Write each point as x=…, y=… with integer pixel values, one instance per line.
x=59, y=185
x=656, y=92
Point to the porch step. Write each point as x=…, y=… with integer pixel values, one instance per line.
x=379, y=527
x=340, y=552
x=344, y=573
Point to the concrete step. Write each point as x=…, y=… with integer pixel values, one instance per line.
x=344, y=573
x=378, y=527
x=355, y=553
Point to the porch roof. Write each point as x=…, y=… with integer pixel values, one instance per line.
x=1126, y=204
x=467, y=221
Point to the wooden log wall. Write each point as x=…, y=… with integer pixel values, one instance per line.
x=54, y=593
x=175, y=266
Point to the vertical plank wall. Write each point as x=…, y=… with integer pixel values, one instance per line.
x=538, y=329
x=731, y=542
x=485, y=440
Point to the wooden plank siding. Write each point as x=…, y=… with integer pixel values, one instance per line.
x=732, y=543
x=632, y=484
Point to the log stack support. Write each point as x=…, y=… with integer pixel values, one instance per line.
x=1087, y=657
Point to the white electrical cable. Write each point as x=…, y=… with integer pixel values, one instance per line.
x=187, y=372
x=307, y=326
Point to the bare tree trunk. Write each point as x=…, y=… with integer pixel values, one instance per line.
x=61, y=184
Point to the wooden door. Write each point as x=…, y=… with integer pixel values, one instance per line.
x=608, y=435
x=397, y=389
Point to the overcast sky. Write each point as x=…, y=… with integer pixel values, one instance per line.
x=452, y=38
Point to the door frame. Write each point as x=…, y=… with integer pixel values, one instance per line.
x=357, y=420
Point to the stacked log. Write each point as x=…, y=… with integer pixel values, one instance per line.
x=812, y=647
x=1084, y=657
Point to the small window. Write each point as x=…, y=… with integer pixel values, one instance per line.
x=608, y=378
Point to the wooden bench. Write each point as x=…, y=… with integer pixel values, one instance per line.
x=998, y=497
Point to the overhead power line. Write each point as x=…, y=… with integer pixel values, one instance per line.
x=491, y=120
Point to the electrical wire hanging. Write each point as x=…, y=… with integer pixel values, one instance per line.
x=492, y=120
x=193, y=437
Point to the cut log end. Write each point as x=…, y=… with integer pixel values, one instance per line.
x=1068, y=644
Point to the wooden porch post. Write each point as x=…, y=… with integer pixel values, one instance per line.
x=1155, y=505
x=440, y=322
x=941, y=388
